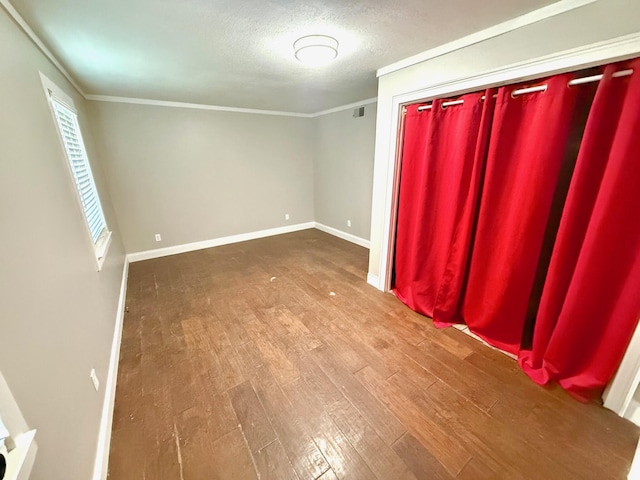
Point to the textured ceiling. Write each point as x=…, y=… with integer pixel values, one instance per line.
x=239, y=53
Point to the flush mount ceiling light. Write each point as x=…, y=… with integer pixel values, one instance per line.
x=316, y=49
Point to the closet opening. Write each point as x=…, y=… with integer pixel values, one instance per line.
x=506, y=218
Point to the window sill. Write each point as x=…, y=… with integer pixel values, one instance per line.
x=101, y=250
x=20, y=459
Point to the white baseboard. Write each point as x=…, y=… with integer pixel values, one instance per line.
x=343, y=235
x=216, y=242
x=374, y=281
x=633, y=411
x=243, y=237
x=106, y=422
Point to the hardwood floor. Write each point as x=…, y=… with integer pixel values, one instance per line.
x=274, y=359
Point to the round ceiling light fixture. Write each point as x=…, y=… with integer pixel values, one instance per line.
x=316, y=49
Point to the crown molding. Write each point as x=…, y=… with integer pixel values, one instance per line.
x=349, y=106
x=159, y=103
x=35, y=39
x=220, y=108
x=196, y=106
x=513, y=24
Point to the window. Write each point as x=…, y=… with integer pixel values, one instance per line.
x=66, y=119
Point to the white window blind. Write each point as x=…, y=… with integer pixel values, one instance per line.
x=67, y=121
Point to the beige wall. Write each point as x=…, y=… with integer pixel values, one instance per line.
x=57, y=313
x=343, y=170
x=595, y=22
x=194, y=175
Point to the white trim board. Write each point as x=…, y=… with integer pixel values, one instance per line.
x=343, y=235
x=633, y=412
x=619, y=393
x=243, y=237
x=196, y=106
x=590, y=55
x=219, y=108
x=373, y=280
x=39, y=43
x=512, y=24
x=349, y=106
x=216, y=242
x=106, y=422
x=19, y=461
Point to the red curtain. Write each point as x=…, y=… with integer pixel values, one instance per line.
x=591, y=299
x=497, y=230
x=435, y=183
x=411, y=201
x=526, y=149
x=448, y=302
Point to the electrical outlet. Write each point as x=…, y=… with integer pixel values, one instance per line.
x=158, y=237
x=94, y=379
x=286, y=216
x=348, y=223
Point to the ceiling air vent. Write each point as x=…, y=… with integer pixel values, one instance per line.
x=358, y=112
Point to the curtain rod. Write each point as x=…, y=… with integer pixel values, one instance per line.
x=540, y=88
x=444, y=104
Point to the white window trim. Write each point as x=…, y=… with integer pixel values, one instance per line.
x=101, y=246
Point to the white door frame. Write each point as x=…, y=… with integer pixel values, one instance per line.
x=619, y=393
x=613, y=50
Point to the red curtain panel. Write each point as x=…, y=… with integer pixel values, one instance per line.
x=447, y=306
x=591, y=299
x=433, y=189
x=526, y=149
x=411, y=201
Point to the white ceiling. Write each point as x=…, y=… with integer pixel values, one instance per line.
x=239, y=53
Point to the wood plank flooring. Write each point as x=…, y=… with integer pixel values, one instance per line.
x=274, y=359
